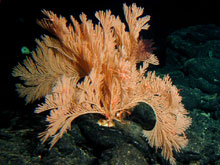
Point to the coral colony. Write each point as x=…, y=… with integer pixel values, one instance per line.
x=89, y=68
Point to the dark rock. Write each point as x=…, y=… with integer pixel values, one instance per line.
x=204, y=135
x=204, y=71
x=102, y=138
x=191, y=98
x=193, y=62
x=21, y=149
x=196, y=41
x=144, y=115
x=122, y=154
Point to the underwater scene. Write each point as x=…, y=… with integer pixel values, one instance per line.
x=112, y=82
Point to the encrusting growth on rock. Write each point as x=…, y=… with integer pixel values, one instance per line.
x=91, y=68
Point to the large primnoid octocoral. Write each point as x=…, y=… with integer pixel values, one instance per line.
x=89, y=68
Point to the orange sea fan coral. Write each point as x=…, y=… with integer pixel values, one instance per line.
x=91, y=68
